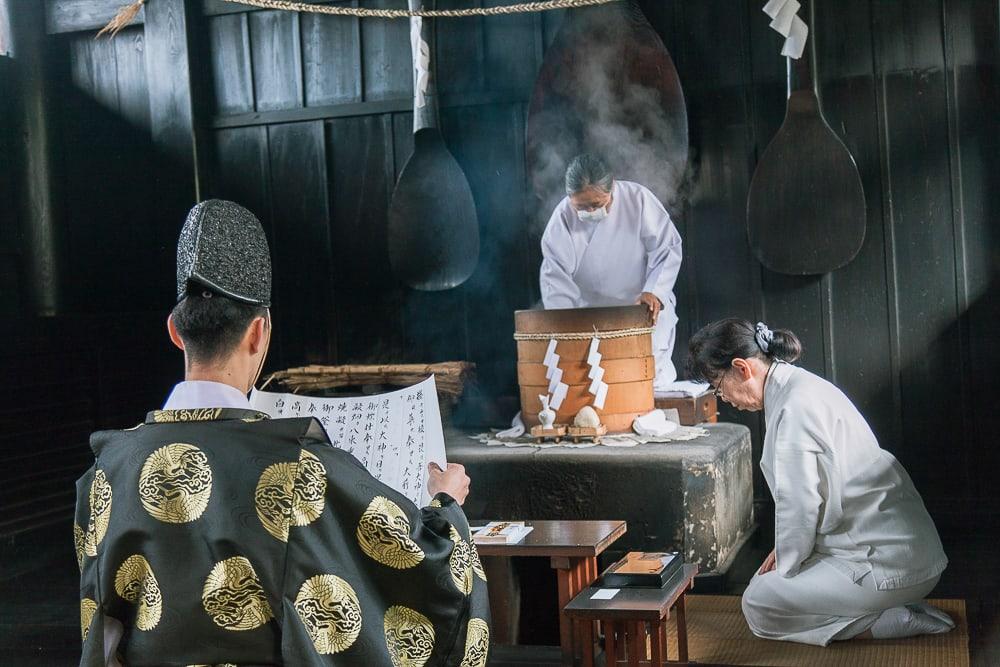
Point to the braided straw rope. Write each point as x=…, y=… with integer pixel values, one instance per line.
x=585, y=335
x=537, y=6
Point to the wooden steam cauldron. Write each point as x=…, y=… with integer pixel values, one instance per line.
x=626, y=356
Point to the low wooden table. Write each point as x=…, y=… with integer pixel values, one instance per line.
x=624, y=618
x=572, y=548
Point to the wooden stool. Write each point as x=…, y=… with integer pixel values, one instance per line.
x=572, y=548
x=625, y=618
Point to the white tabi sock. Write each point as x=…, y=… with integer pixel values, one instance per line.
x=931, y=610
x=908, y=621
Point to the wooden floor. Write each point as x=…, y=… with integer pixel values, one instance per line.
x=39, y=604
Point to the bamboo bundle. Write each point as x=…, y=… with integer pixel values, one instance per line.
x=449, y=376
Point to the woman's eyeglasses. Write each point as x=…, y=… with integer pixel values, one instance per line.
x=717, y=389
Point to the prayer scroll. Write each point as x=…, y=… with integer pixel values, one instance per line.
x=393, y=435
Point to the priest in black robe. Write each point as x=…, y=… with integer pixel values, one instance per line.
x=211, y=534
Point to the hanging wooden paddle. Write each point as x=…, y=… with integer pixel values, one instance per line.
x=433, y=229
x=806, y=206
x=608, y=86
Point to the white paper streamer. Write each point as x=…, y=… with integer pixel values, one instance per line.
x=796, y=42
x=555, y=380
x=598, y=387
x=551, y=350
x=773, y=7
x=421, y=62
x=554, y=375
x=786, y=22
x=602, y=395
x=559, y=395
x=783, y=21
x=597, y=375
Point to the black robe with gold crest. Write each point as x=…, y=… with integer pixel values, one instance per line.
x=219, y=536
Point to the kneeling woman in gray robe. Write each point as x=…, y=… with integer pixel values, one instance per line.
x=855, y=550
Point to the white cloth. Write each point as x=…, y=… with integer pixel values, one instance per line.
x=635, y=249
x=516, y=429
x=654, y=424
x=195, y=394
x=840, y=501
x=819, y=604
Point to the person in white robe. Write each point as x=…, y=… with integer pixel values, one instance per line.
x=855, y=550
x=611, y=243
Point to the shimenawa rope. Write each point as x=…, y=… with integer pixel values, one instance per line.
x=128, y=13
x=585, y=335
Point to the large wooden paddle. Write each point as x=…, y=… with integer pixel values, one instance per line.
x=607, y=85
x=433, y=229
x=806, y=206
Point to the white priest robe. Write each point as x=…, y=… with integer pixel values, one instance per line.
x=635, y=249
x=852, y=536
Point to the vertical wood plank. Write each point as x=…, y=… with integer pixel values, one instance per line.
x=859, y=290
x=973, y=62
x=387, y=68
x=93, y=67
x=370, y=324
x=331, y=52
x=459, y=50
x=510, y=52
x=724, y=272
x=277, y=59
x=168, y=74
x=229, y=46
x=303, y=291
x=133, y=91
x=795, y=303
x=551, y=21
x=914, y=124
x=487, y=142
x=241, y=171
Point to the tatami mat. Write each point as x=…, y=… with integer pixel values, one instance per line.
x=717, y=634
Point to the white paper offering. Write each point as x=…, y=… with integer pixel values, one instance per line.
x=601, y=396
x=597, y=374
x=796, y=42
x=558, y=396
x=550, y=351
x=556, y=378
x=783, y=20
x=552, y=366
x=393, y=435
x=604, y=593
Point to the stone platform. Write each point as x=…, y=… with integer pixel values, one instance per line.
x=695, y=497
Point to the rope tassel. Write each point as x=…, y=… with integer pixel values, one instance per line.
x=122, y=19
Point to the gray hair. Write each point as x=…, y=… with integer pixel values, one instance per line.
x=587, y=170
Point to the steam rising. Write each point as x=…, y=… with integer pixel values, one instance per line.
x=616, y=95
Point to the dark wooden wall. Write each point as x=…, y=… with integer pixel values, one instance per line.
x=10, y=290
x=306, y=120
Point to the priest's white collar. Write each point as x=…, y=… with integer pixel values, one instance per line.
x=195, y=394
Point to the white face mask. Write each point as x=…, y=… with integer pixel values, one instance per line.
x=596, y=215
